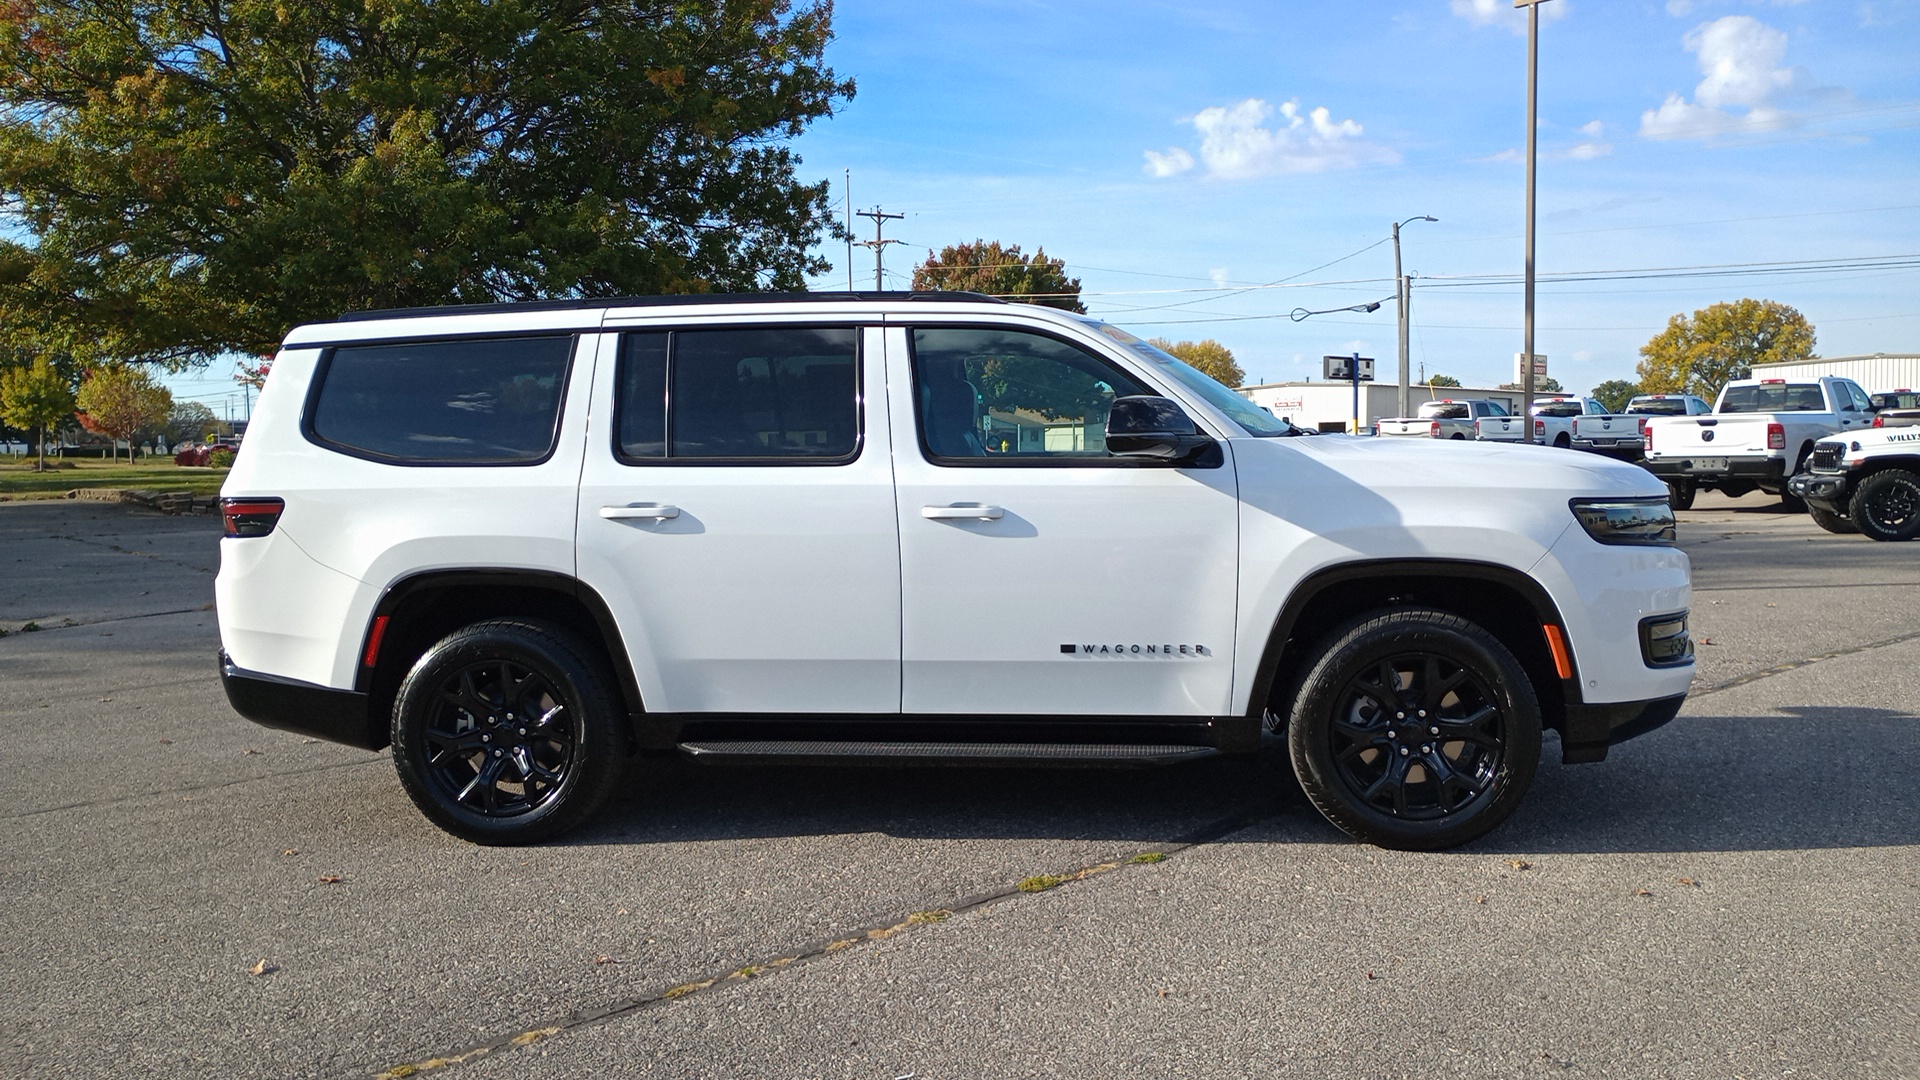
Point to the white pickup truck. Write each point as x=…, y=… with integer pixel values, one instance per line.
x=1621, y=435
x=1760, y=433
x=1554, y=418
x=1447, y=418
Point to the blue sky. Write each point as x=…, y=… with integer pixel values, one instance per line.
x=1164, y=148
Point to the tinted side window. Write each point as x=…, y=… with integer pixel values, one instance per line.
x=1003, y=395
x=784, y=393
x=473, y=402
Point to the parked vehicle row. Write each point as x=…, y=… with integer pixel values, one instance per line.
x=1760, y=433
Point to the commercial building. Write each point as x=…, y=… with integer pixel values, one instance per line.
x=1328, y=406
x=1877, y=372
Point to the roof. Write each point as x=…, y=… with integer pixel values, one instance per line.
x=589, y=303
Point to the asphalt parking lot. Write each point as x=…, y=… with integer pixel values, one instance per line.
x=187, y=894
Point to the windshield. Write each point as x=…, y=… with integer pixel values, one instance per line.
x=1444, y=410
x=1558, y=408
x=1773, y=397
x=1252, y=418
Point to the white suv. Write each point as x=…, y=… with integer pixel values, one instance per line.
x=524, y=542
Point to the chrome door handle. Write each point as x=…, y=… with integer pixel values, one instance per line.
x=649, y=511
x=961, y=513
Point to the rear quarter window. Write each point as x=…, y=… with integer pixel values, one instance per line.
x=466, y=402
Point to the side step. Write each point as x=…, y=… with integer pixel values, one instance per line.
x=823, y=752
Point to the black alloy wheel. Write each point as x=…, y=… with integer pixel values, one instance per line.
x=1416, y=729
x=1886, y=505
x=505, y=732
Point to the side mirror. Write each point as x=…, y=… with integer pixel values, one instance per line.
x=1153, y=427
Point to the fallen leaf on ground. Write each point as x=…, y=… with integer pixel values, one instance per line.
x=605, y=960
x=291, y=851
x=263, y=968
x=331, y=879
x=1644, y=892
x=1688, y=881
x=1520, y=864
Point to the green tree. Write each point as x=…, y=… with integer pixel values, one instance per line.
x=1698, y=354
x=1615, y=393
x=119, y=401
x=987, y=266
x=35, y=396
x=189, y=179
x=1443, y=380
x=1209, y=356
x=191, y=421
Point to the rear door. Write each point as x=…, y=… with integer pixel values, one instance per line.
x=736, y=514
x=1040, y=576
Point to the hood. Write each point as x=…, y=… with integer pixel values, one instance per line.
x=1513, y=469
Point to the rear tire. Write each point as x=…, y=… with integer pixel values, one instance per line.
x=1563, y=441
x=1886, y=505
x=509, y=732
x=1680, y=495
x=1415, y=729
x=1833, y=523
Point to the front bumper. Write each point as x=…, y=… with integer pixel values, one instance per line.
x=1828, y=491
x=291, y=705
x=1589, y=730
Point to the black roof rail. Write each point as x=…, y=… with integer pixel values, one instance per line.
x=587, y=303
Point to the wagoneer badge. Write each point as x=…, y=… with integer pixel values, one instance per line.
x=1137, y=650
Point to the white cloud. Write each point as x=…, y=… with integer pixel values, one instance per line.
x=1742, y=61
x=1236, y=143
x=1503, y=13
x=1219, y=276
x=1172, y=163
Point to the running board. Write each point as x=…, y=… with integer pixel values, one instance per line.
x=805, y=752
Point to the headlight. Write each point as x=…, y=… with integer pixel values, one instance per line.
x=1627, y=521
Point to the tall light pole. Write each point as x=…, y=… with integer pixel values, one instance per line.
x=1533, y=131
x=1403, y=294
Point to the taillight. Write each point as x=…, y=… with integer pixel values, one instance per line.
x=1776, y=437
x=1576, y=427
x=250, y=517
x=1540, y=431
x=1879, y=421
x=1435, y=429
x=1646, y=434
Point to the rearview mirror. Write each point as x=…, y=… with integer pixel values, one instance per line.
x=1144, y=426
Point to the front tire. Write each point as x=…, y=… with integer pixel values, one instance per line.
x=1886, y=505
x=1416, y=730
x=1833, y=523
x=508, y=732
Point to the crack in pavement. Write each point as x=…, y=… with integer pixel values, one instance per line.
x=72, y=624
x=131, y=551
x=189, y=790
x=819, y=950
x=1794, y=665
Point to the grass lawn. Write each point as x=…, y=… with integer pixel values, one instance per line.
x=18, y=480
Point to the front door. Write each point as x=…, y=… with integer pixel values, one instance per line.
x=736, y=513
x=1039, y=575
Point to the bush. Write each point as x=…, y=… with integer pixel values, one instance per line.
x=221, y=458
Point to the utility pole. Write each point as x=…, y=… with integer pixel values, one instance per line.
x=849, y=219
x=1533, y=131
x=1403, y=295
x=879, y=244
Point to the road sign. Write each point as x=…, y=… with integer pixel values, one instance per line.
x=1340, y=368
x=1520, y=367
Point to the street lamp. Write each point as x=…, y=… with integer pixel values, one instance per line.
x=1403, y=294
x=1533, y=130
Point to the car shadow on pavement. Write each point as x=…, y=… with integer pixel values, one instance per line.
x=669, y=799
x=1820, y=777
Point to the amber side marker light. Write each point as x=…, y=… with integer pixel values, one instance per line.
x=249, y=517
x=1557, y=645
